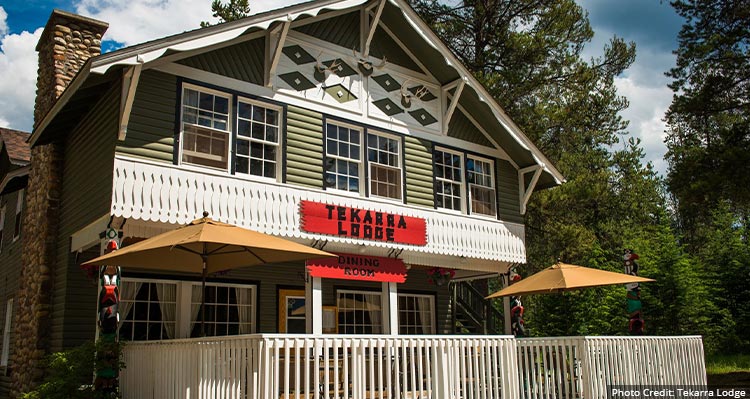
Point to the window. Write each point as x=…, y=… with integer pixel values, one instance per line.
x=481, y=186
x=6, y=333
x=19, y=208
x=163, y=309
x=359, y=312
x=205, y=128
x=2, y=226
x=257, y=140
x=449, y=180
x=383, y=155
x=148, y=310
x=230, y=309
x=343, y=158
x=416, y=314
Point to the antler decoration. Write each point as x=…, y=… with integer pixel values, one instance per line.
x=322, y=71
x=365, y=66
x=406, y=95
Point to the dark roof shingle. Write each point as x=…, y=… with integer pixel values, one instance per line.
x=15, y=143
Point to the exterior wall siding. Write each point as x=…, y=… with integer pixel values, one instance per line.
x=152, y=120
x=242, y=61
x=10, y=273
x=342, y=30
x=420, y=189
x=508, y=203
x=304, y=147
x=462, y=128
x=86, y=195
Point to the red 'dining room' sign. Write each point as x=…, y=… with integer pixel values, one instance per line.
x=351, y=222
x=359, y=267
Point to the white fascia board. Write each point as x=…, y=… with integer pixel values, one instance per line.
x=201, y=38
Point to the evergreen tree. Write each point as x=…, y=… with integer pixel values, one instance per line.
x=709, y=120
x=232, y=11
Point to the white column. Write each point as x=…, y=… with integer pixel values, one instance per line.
x=389, y=308
x=314, y=305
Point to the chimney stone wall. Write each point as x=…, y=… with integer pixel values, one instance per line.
x=67, y=42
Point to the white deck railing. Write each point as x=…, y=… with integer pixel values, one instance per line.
x=316, y=367
x=285, y=366
x=584, y=367
x=166, y=193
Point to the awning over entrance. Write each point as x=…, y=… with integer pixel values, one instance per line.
x=359, y=267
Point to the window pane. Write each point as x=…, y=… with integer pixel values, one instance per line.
x=263, y=132
x=481, y=187
x=385, y=166
x=342, y=158
x=448, y=174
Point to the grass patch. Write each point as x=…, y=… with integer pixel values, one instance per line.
x=723, y=364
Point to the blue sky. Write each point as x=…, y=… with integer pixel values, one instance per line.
x=651, y=24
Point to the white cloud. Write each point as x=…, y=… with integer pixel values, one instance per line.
x=138, y=21
x=646, y=111
x=3, y=22
x=18, y=64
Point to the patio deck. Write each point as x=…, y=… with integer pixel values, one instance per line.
x=280, y=366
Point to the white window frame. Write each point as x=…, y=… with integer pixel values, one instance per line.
x=342, y=309
x=493, y=187
x=399, y=168
x=461, y=183
x=147, y=320
x=228, y=131
x=430, y=312
x=6, y=333
x=183, y=303
x=335, y=157
x=251, y=140
x=18, y=221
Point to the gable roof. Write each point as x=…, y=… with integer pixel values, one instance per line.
x=15, y=143
x=400, y=18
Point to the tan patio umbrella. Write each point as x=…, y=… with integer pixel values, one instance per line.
x=563, y=277
x=206, y=246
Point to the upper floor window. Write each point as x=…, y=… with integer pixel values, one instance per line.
x=343, y=165
x=481, y=179
x=383, y=156
x=449, y=174
x=19, y=215
x=257, y=139
x=205, y=128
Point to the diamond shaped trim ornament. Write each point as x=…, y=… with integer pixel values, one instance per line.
x=387, y=82
x=340, y=93
x=342, y=69
x=422, y=93
x=423, y=117
x=297, y=54
x=298, y=81
x=388, y=107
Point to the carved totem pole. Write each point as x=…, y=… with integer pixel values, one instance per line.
x=516, y=310
x=107, y=353
x=636, y=323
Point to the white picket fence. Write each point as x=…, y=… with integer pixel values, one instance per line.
x=285, y=366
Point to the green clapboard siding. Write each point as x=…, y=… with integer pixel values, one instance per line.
x=304, y=147
x=242, y=61
x=10, y=272
x=383, y=46
x=151, y=128
x=461, y=128
x=342, y=30
x=508, y=206
x=420, y=189
x=86, y=196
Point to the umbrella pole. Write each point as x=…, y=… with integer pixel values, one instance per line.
x=203, y=294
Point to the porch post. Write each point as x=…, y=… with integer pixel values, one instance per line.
x=389, y=308
x=313, y=305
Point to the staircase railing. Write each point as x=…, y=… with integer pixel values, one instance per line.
x=480, y=312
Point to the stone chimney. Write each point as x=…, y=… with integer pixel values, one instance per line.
x=67, y=42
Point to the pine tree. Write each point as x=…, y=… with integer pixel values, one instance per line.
x=232, y=11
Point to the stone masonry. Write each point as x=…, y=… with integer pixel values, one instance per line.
x=67, y=42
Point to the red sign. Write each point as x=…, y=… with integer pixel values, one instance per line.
x=359, y=267
x=361, y=223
